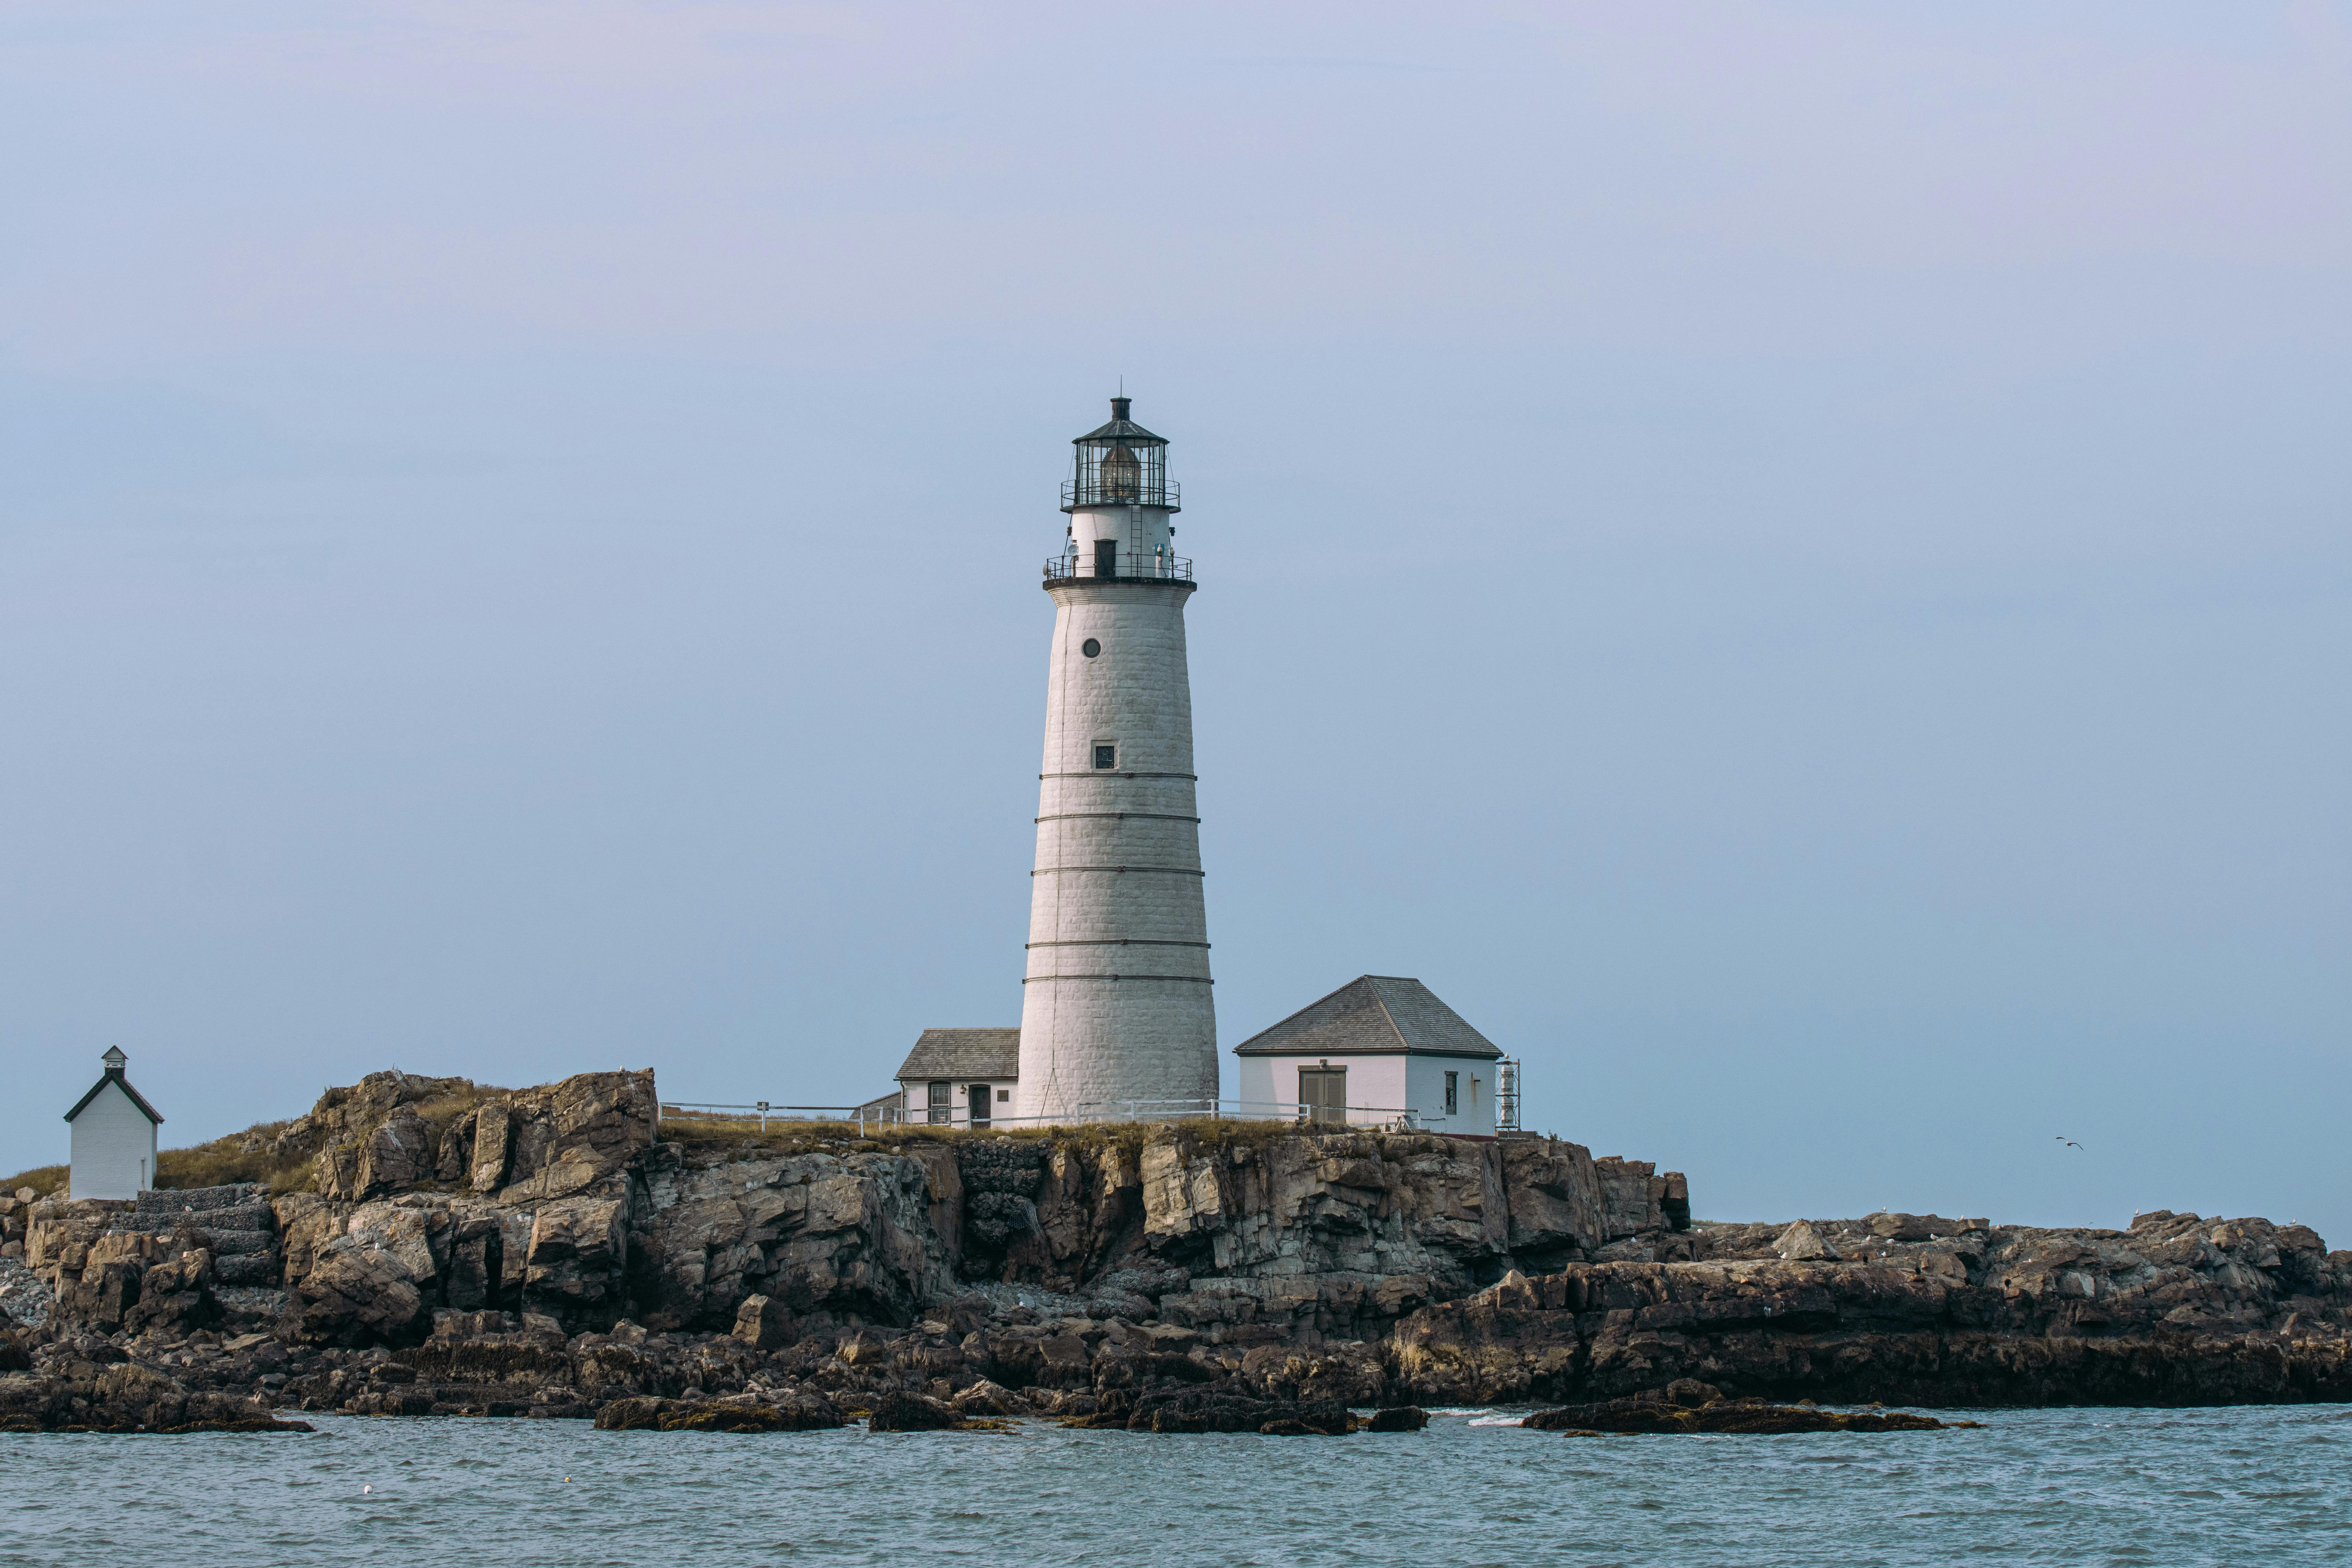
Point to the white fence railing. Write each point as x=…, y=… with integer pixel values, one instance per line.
x=763, y=1112
x=1374, y=1117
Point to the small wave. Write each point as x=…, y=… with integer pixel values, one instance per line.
x=1461, y=1410
x=1497, y=1420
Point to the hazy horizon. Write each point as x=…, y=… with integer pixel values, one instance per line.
x=1789, y=562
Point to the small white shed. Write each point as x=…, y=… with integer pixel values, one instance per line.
x=1378, y=1046
x=114, y=1137
x=961, y=1077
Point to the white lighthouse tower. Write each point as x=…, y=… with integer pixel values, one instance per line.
x=1115, y=1008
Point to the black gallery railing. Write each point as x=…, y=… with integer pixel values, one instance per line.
x=1114, y=489
x=1124, y=569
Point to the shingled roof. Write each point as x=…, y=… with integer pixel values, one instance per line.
x=964, y=1053
x=1373, y=1014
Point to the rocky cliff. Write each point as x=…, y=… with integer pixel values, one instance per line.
x=445, y=1248
x=1911, y=1309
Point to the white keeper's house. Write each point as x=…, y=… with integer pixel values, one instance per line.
x=114, y=1137
x=1378, y=1046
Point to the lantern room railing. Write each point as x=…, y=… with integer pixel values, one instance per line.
x=1113, y=489
x=1126, y=569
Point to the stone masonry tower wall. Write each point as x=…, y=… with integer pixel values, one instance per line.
x=1117, y=1006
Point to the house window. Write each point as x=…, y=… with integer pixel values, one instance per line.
x=1003, y=1097
x=1453, y=1103
x=942, y=1109
x=1105, y=754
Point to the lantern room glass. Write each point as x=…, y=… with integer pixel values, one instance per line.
x=1121, y=464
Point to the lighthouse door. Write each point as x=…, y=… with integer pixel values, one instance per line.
x=1323, y=1094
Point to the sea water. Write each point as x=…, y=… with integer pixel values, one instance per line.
x=2268, y=1486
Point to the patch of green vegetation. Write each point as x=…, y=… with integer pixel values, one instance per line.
x=245, y=1156
x=744, y=1135
x=45, y=1180
x=736, y=1136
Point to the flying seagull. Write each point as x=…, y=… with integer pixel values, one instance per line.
x=2070, y=1142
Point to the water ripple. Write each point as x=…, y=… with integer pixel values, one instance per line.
x=2179, y=1488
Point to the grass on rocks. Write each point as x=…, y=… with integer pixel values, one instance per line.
x=259, y=1154
x=734, y=1136
x=240, y=1157
x=45, y=1180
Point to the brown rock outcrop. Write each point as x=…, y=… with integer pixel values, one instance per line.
x=2018, y=1316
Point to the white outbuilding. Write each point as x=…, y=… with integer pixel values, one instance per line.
x=1376, y=1048
x=114, y=1137
x=961, y=1077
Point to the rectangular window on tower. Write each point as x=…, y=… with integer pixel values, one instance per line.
x=1105, y=754
x=1453, y=1099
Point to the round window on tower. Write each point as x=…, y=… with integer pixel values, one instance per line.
x=1090, y=648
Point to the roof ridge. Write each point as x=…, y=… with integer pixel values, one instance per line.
x=1310, y=1007
x=1382, y=1003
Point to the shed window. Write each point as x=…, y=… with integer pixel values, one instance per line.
x=1453, y=1093
x=1003, y=1097
x=942, y=1109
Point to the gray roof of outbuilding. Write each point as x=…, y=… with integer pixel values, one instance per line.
x=1373, y=1014
x=964, y=1053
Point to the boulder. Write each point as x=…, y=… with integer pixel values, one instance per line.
x=763, y=1324
x=1554, y=1200
x=493, y=1146
x=357, y=1294
x=1633, y=1197
x=175, y=1294
x=579, y=1249
x=898, y=1411
x=1219, y=1409
x=1651, y=1414
x=566, y=1137
x=1801, y=1243
x=101, y=1297
x=986, y=1398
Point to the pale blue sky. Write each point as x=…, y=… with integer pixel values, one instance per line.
x=1790, y=562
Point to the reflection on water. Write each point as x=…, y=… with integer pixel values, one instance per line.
x=2178, y=1487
